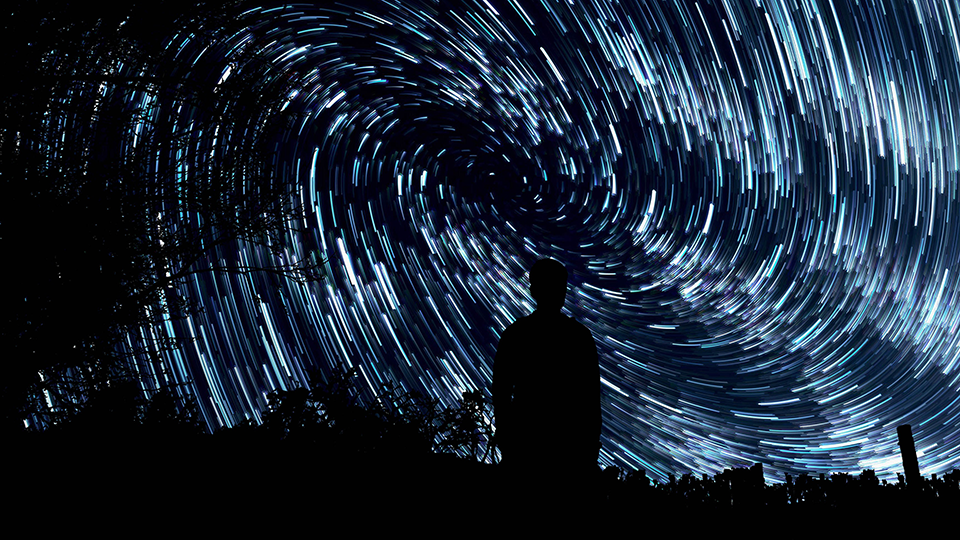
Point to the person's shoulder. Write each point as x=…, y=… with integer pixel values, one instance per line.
x=578, y=328
x=517, y=327
x=573, y=323
x=524, y=321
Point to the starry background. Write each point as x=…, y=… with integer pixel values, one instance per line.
x=756, y=201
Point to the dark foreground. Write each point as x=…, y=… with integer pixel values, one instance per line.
x=219, y=487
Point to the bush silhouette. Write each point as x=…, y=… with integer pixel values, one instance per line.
x=395, y=421
x=118, y=409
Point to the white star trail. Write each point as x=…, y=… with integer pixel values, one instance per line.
x=757, y=202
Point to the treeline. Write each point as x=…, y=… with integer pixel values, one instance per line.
x=316, y=450
x=330, y=416
x=330, y=422
x=324, y=451
x=744, y=489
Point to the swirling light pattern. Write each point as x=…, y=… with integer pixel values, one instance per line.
x=755, y=200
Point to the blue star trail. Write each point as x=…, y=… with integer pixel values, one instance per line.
x=757, y=202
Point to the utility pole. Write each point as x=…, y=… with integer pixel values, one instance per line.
x=908, y=452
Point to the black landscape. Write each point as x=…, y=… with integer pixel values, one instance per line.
x=639, y=266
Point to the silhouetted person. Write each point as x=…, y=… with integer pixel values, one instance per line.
x=546, y=387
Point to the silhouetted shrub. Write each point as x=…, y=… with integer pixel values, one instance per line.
x=396, y=421
x=464, y=429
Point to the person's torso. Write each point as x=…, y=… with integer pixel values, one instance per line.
x=552, y=366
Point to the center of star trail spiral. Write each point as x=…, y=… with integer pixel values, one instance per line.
x=756, y=201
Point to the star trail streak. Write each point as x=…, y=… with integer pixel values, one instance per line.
x=757, y=202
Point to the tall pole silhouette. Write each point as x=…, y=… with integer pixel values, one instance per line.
x=908, y=452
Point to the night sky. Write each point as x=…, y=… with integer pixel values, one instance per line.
x=757, y=202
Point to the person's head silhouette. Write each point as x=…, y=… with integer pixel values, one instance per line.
x=548, y=284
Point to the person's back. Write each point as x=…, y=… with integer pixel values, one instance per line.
x=547, y=383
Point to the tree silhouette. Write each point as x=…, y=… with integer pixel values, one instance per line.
x=396, y=422
x=117, y=409
x=465, y=429
x=123, y=175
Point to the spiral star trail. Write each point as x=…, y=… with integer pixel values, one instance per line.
x=757, y=202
